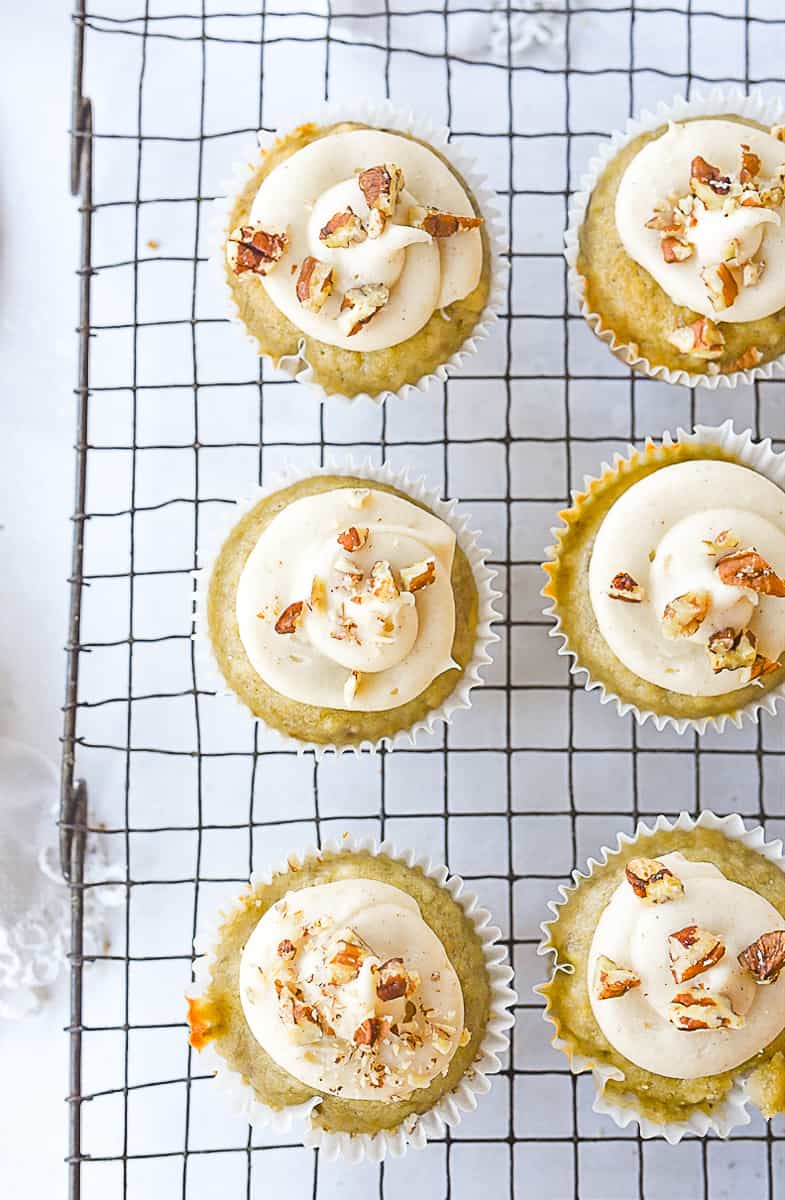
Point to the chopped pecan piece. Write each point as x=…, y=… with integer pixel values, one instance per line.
x=624, y=587
x=652, y=881
x=708, y=183
x=353, y=538
x=251, y=248
x=762, y=666
x=361, y=304
x=287, y=948
x=392, y=980
x=750, y=358
x=723, y=543
x=318, y=600
x=675, y=250
x=381, y=186
x=382, y=581
x=342, y=230
x=691, y=951
x=696, y=1008
x=765, y=957
x=418, y=575
x=751, y=273
x=441, y=224
x=314, y=284
x=731, y=651
x=346, y=961
x=307, y=1026
x=750, y=164
x=778, y=132
x=611, y=980
x=721, y=286
x=371, y=1031
x=351, y=686
x=701, y=339
x=748, y=569
x=289, y=618
x=685, y=614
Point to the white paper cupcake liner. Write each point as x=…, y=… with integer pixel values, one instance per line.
x=732, y=1112
x=382, y=115
x=416, y=1130
x=767, y=110
x=468, y=540
x=761, y=458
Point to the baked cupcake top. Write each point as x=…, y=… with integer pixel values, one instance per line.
x=350, y=991
x=359, y=237
x=687, y=577
x=702, y=209
x=346, y=600
x=680, y=949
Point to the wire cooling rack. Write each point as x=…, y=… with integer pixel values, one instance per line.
x=176, y=417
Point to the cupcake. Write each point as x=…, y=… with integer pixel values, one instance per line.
x=668, y=580
x=678, y=243
x=669, y=979
x=359, y=990
x=347, y=609
x=357, y=257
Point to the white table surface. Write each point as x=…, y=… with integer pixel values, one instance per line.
x=38, y=292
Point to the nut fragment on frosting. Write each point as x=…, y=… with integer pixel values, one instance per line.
x=361, y=304
x=343, y=229
x=314, y=284
x=381, y=186
x=624, y=587
x=652, y=881
x=701, y=339
x=369, y=1005
x=611, y=980
x=748, y=569
x=685, y=614
x=340, y=614
x=441, y=224
x=765, y=957
x=251, y=248
x=732, y=650
x=692, y=951
x=697, y=1008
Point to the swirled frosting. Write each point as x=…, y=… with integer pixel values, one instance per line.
x=419, y=273
x=699, y=541
x=657, y=1021
x=350, y=991
x=346, y=600
x=707, y=227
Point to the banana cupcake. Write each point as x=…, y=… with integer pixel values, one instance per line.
x=347, y=609
x=357, y=257
x=358, y=990
x=668, y=580
x=677, y=243
x=669, y=980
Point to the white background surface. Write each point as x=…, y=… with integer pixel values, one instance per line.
x=38, y=303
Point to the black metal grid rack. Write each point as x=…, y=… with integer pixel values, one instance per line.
x=173, y=422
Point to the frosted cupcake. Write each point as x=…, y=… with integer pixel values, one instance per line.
x=681, y=248
x=671, y=984
x=342, y=610
x=354, y=989
x=360, y=252
x=668, y=580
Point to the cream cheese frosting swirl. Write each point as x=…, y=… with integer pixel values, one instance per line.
x=421, y=273
x=350, y=991
x=684, y=536
x=642, y=1022
x=731, y=221
x=346, y=600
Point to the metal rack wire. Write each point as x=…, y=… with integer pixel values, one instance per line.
x=173, y=422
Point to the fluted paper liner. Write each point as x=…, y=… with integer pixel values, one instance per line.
x=732, y=1112
x=468, y=540
x=767, y=110
x=383, y=115
x=742, y=449
x=416, y=1130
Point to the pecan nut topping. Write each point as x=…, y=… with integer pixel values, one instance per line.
x=721, y=285
x=314, y=284
x=392, y=980
x=732, y=651
x=675, y=250
x=723, y=543
x=342, y=230
x=624, y=587
x=750, y=164
x=371, y=1031
x=381, y=186
x=684, y=615
x=418, y=575
x=361, y=304
x=441, y=224
x=251, y=248
x=765, y=957
x=692, y=951
x=696, y=1008
x=748, y=569
x=611, y=980
x=290, y=617
x=353, y=538
x=701, y=339
x=652, y=881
